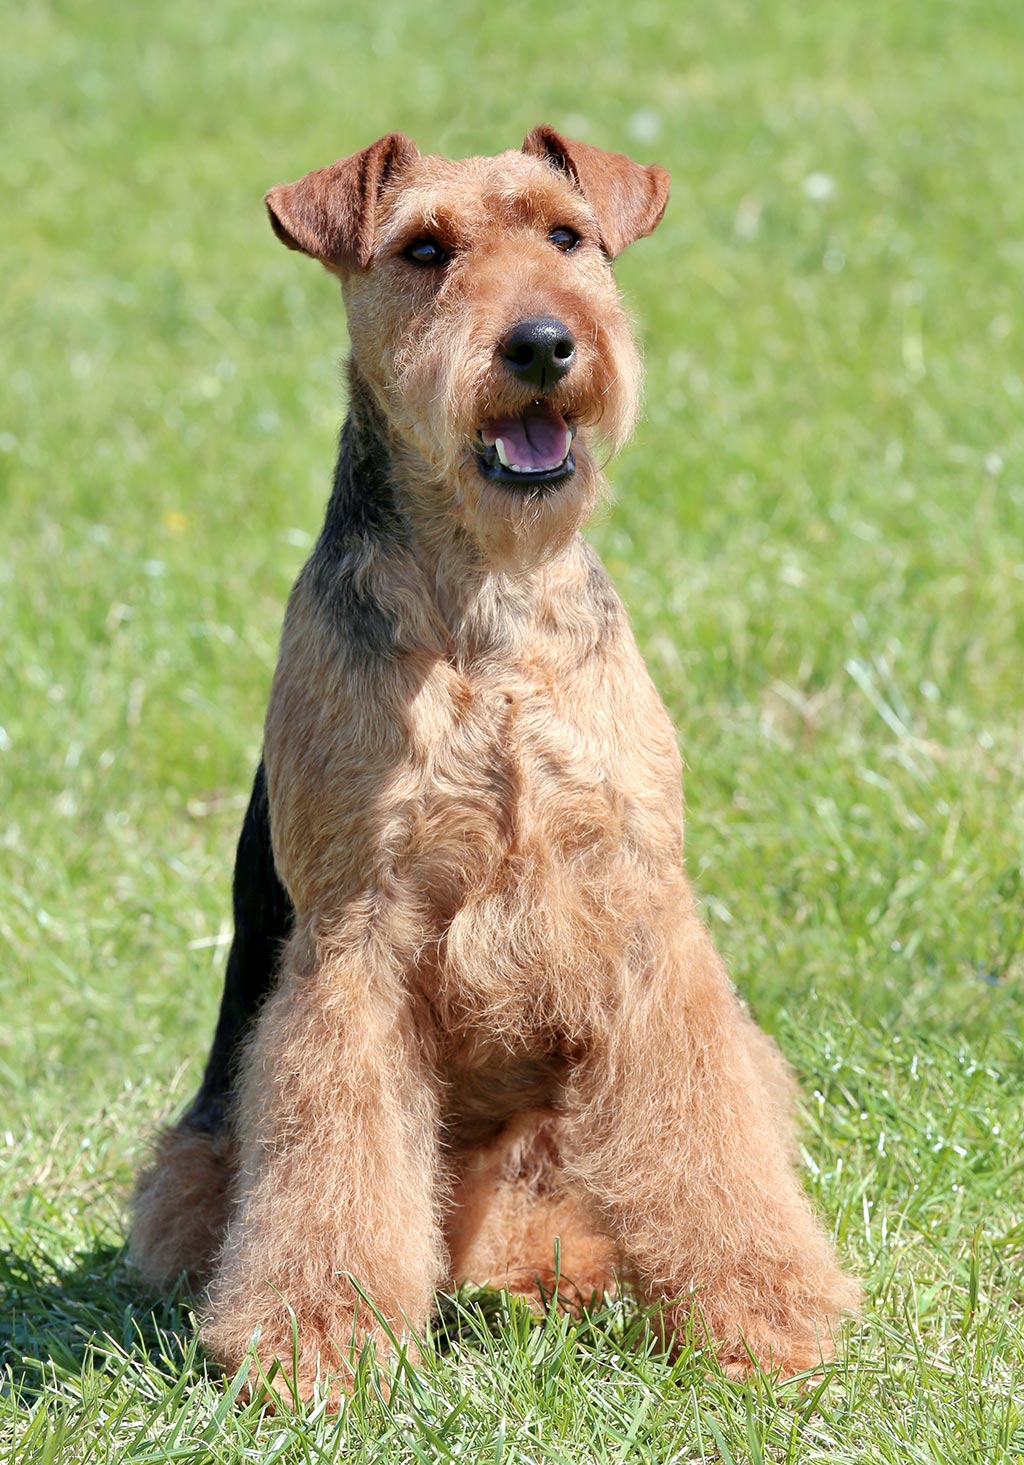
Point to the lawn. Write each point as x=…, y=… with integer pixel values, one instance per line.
x=819, y=533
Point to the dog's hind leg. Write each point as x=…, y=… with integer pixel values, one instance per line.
x=181, y=1204
x=516, y=1224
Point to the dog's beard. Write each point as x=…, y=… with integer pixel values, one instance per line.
x=521, y=499
x=520, y=527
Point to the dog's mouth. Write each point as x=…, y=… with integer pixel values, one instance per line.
x=522, y=451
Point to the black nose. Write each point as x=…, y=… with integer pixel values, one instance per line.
x=539, y=350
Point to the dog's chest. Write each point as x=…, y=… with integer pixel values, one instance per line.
x=530, y=831
x=509, y=768
x=518, y=808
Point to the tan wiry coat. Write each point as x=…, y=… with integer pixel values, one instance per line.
x=498, y=1019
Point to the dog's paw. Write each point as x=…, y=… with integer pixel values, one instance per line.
x=779, y=1326
x=755, y=1343
x=542, y=1286
x=292, y=1360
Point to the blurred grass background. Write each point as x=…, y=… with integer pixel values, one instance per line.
x=818, y=530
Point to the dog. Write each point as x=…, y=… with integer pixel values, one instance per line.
x=471, y=1011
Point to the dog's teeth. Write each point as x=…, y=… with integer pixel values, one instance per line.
x=499, y=447
x=568, y=445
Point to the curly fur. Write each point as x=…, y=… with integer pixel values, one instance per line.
x=498, y=1019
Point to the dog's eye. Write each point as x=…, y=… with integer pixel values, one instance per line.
x=426, y=252
x=564, y=239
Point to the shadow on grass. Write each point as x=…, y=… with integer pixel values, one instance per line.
x=56, y=1318
x=478, y=1316
x=66, y=1324
x=58, y=1321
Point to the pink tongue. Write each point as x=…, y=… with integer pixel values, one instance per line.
x=535, y=440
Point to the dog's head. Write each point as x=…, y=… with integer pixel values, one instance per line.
x=484, y=316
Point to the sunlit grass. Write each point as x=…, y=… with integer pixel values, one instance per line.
x=819, y=531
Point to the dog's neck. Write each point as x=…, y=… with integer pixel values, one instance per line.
x=363, y=499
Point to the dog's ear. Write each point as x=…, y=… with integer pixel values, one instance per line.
x=627, y=198
x=331, y=213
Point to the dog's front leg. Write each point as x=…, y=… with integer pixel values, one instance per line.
x=339, y=1168
x=676, y=1128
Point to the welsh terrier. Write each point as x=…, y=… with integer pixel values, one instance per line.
x=471, y=1011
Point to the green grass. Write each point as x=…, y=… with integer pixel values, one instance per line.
x=819, y=531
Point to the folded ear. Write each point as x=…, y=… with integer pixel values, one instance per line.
x=627, y=198
x=331, y=213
